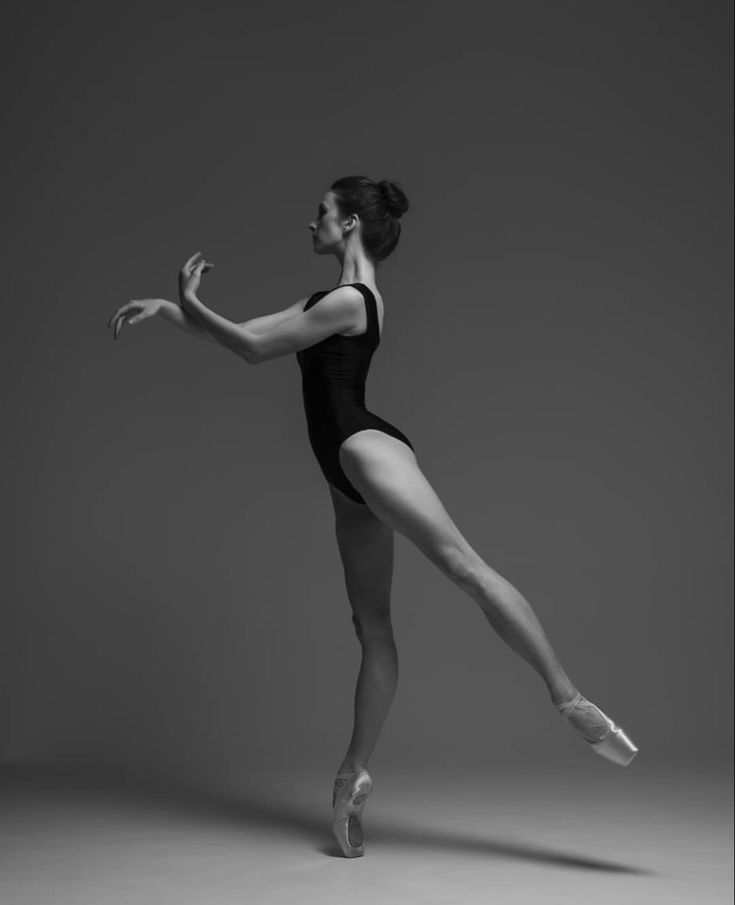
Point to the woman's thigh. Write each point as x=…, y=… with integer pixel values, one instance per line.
x=385, y=471
x=365, y=545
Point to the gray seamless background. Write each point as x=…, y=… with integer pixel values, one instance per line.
x=557, y=346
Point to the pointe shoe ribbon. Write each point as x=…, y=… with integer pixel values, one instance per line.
x=348, y=799
x=613, y=744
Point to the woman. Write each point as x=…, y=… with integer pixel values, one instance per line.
x=373, y=476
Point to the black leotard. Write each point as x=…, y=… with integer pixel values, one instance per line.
x=333, y=373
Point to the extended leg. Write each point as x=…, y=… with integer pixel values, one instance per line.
x=386, y=473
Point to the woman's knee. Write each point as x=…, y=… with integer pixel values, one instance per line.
x=459, y=563
x=371, y=611
x=373, y=625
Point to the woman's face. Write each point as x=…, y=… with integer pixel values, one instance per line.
x=326, y=227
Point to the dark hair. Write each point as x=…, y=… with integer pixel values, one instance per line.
x=379, y=205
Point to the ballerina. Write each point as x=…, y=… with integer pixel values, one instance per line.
x=372, y=473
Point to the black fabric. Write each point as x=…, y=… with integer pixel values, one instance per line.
x=333, y=374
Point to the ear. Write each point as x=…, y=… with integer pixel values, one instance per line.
x=349, y=224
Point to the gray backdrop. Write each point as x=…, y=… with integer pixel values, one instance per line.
x=557, y=346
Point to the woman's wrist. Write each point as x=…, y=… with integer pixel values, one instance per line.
x=187, y=300
x=169, y=310
x=177, y=315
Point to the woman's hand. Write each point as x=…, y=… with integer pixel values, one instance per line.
x=190, y=276
x=135, y=311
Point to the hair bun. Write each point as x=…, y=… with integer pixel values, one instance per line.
x=395, y=200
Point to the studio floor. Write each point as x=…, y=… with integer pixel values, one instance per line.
x=571, y=834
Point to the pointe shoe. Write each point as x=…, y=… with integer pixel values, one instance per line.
x=348, y=799
x=613, y=744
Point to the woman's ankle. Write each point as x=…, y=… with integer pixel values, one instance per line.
x=349, y=766
x=562, y=694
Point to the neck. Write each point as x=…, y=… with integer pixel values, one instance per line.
x=356, y=267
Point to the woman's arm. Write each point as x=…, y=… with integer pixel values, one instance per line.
x=337, y=311
x=254, y=325
x=226, y=332
x=176, y=315
x=263, y=324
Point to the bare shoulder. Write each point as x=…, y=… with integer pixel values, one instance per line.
x=343, y=295
x=338, y=302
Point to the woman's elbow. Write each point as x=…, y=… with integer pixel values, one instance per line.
x=251, y=351
x=260, y=354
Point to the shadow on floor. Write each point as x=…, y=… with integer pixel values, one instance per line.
x=281, y=808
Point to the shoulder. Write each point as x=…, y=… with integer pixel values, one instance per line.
x=344, y=294
x=336, y=310
x=340, y=300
